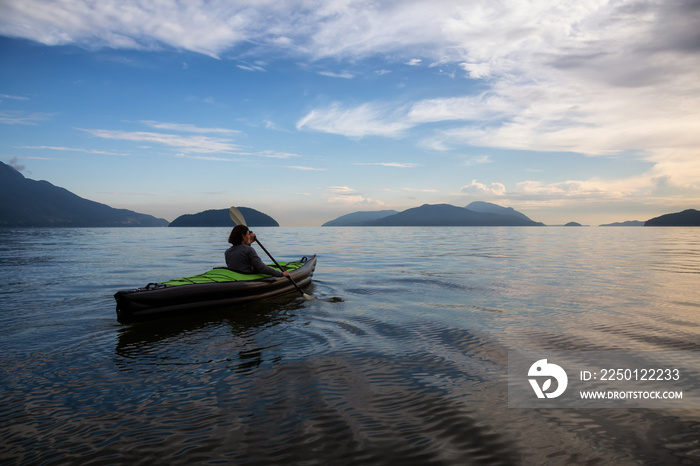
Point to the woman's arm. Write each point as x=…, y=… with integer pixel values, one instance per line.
x=259, y=266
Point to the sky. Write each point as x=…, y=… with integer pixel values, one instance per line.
x=582, y=110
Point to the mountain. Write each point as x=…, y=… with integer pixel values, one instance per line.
x=358, y=218
x=488, y=207
x=687, y=218
x=30, y=203
x=628, y=223
x=220, y=218
x=449, y=215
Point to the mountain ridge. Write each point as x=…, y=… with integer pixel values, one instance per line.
x=358, y=218
x=686, y=218
x=27, y=203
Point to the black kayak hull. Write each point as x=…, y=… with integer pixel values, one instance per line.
x=146, y=304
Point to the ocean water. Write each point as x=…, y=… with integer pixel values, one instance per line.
x=402, y=358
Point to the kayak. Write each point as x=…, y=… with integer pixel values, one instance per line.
x=218, y=287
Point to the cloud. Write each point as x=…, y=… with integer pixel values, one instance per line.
x=187, y=128
x=272, y=154
x=192, y=141
x=205, y=157
x=564, y=189
x=360, y=121
x=476, y=188
x=593, y=77
x=347, y=195
x=343, y=74
x=248, y=67
x=480, y=108
x=126, y=25
x=392, y=164
x=206, y=100
x=480, y=36
x=420, y=190
x=477, y=70
x=188, y=144
x=383, y=119
x=298, y=167
x=11, y=117
x=477, y=160
x=73, y=149
x=12, y=97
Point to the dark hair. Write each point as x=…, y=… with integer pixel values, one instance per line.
x=236, y=236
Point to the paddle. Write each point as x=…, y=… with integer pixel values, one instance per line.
x=238, y=219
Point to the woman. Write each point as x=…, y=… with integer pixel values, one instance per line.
x=242, y=258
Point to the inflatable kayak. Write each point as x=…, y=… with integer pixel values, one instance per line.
x=217, y=288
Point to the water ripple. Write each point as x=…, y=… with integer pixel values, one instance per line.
x=407, y=364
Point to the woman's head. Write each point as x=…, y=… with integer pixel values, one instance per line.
x=237, y=234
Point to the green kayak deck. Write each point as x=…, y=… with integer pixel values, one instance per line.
x=222, y=275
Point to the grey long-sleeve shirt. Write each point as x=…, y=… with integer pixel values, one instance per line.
x=243, y=259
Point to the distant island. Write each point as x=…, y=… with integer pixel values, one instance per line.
x=687, y=218
x=573, y=224
x=475, y=214
x=628, y=223
x=220, y=218
x=35, y=204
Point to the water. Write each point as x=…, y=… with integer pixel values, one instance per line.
x=409, y=366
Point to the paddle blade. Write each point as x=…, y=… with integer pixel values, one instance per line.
x=236, y=216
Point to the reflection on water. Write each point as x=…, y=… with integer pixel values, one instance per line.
x=407, y=365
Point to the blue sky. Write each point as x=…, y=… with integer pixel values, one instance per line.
x=586, y=111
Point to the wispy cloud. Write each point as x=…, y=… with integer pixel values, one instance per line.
x=251, y=67
x=419, y=190
x=188, y=144
x=565, y=189
x=360, y=121
x=33, y=157
x=303, y=168
x=272, y=154
x=394, y=120
x=343, y=74
x=187, y=128
x=73, y=149
x=12, y=97
x=477, y=160
x=391, y=164
x=206, y=157
x=206, y=100
x=190, y=141
x=10, y=117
